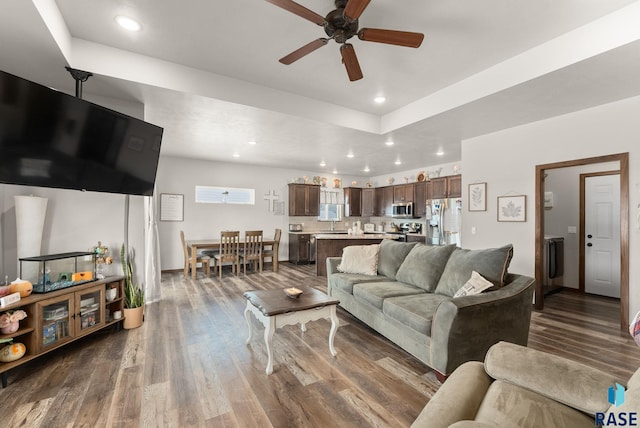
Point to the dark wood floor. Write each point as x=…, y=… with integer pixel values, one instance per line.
x=188, y=365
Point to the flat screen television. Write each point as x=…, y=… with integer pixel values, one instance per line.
x=52, y=139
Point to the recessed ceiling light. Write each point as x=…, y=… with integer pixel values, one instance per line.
x=398, y=162
x=379, y=99
x=389, y=143
x=349, y=155
x=253, y=143
x=127, y=23
x=366, y=169
x=323, y=163
x=439, y=153
x=236, y=155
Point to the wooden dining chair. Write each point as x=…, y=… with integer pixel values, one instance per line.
x=273, y=250
x=228, y=252
x=252, y=251
x=204, y=260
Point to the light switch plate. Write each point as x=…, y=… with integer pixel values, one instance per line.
x=572, y=229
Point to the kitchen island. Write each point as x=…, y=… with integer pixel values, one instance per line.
x=331, y=245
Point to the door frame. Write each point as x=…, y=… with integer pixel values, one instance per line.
x=623, y=159
x=581, y=240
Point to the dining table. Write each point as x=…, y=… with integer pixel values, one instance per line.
x=214, y=243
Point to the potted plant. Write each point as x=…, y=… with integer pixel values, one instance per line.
x=133, y=294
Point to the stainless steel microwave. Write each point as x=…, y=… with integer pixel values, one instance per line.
x=402, y=210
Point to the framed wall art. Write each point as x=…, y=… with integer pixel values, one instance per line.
x=512, y=208
x=478, y=197
x=171, y=207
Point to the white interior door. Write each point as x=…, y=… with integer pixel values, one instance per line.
x=602, y=235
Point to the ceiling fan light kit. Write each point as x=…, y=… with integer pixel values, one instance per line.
x=340, y=25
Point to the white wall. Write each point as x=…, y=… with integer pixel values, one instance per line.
x=202, y=221
x=439, y=170
x=75, y=221
x=506, y=160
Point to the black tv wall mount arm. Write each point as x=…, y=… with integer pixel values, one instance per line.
x=79, y=76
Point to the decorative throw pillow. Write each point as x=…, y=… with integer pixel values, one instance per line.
x=634, y=328
x=362, y=259
x=491, y=263
x=423, y=266
x=476, y=285
x=391, y=256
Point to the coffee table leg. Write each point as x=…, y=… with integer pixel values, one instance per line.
x=303, y=327
x=268, y=337
x=246, y=316
x=334, y=328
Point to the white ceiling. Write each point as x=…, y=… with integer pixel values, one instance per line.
x=208, y=72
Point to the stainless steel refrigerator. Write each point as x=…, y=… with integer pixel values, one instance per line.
x=444, y=221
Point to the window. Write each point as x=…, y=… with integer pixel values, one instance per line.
x=329, y=212
x=225, y=195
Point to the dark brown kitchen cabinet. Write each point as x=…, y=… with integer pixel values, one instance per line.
x=454, y=186
x=384, y=200
x=403, y=193
x=419, y=199
x=352, y=202
x=368, y=202
x=304, y=200
x=446, y=187
x=299, y=247
x=438, y=187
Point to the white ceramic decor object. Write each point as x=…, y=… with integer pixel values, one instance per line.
x=30, y=215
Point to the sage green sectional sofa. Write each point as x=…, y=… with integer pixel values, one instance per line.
x=408, y=298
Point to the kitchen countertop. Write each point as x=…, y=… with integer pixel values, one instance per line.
x=364, y=236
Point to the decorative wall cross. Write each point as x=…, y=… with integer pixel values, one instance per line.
x=272, y=198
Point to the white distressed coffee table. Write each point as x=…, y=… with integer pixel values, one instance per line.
x=274, y=310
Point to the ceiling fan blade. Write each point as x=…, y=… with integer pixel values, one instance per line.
x=392, y=37
x=305, y=50
x=350, y=62
x=299, y=10
x=354, y=8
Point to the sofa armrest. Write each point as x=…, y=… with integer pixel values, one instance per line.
x=579, y=386
x=464, y=328
x=332, y=267
x=457, y=399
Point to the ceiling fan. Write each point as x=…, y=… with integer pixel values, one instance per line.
x=340, y=25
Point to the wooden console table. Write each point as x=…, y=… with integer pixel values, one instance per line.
x=60, y=317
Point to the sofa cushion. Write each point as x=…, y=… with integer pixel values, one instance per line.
x=491, y=263
x=423, y=265
x=374, y=293
x=414, y=311
x=345, y=281
x=476, y=285
x=362, y=259
x=391, y=256
x=508, y=405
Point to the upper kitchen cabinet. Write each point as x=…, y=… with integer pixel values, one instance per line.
x=403, y=193
x=304, y=200
x=368, y=202
x=420, y=198
x=352, y=202
x=446, y=187
x=454, y=186
x=384, y=200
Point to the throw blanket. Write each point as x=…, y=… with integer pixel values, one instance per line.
x=634, y=328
